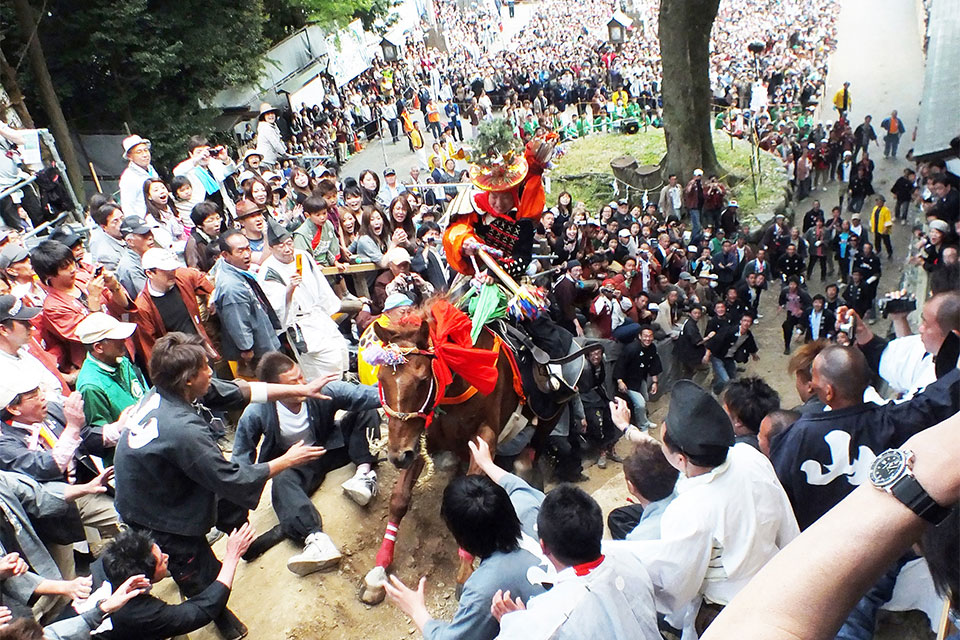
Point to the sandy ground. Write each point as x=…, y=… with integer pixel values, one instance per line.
x=879, y=52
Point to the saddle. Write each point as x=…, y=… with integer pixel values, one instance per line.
x=550, y=361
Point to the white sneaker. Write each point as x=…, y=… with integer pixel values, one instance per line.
x=318, y=553
x=362, y=487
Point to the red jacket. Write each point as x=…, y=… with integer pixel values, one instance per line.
x=191, y=283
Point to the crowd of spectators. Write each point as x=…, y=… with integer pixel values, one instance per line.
x=230, y=299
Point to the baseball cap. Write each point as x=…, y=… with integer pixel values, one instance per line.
x=12, y=309
x=159, y=258
x=135, y=225
x=12, y=386
x=698, y=172
x=733, y=203
x=101, y=326
x=389, y=172
x=939, y=225
x=66, y=235
x=686, y=276
x=395, y=300
x=624, y=233
x=12, y=254
x=246, y=175
x=398, y=255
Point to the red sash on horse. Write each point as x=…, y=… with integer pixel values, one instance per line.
x=455, y=353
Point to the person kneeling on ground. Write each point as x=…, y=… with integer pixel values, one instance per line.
x=286, y=422
x=492, y=516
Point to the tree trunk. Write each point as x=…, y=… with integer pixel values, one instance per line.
x=685, y=27
x=8, y=76
x=27, y=20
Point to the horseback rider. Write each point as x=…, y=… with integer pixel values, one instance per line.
x=504, y=210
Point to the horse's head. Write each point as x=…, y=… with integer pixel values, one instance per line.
x=408, y=391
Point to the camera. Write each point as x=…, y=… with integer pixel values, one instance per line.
x=897, y=302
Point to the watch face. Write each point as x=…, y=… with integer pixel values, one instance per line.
x=887, y=467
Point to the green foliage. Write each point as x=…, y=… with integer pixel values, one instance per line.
x=375, y=14
x=149, y=65
x=494, y=143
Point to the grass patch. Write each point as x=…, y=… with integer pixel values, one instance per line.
x=584, y=170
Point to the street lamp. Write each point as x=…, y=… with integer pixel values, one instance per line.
x=617, y=27
x=391, y=52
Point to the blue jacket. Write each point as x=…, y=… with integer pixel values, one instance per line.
x=245, y=322
x=260, y=421
x=506, y=571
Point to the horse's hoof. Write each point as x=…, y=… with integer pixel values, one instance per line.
x=372, y=591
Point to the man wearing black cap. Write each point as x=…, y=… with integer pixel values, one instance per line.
x=391, y=186
x=565, y=293
x=21, y=355
x=729, y=518
x=15, y=264
x=139, y=238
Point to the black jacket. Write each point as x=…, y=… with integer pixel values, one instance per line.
x=170, y=471
x=149, y=618
x=828, y=324
x=824, y=456
x=720, y=344
x=637, y=363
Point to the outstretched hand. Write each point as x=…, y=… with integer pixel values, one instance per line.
x=413, y=603
x=134, y=586
x=502, y=605
x=314, y=388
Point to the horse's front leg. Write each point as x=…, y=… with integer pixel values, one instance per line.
x=372, y=591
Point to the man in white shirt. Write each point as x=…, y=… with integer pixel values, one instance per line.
x=730, y=516
x=138, y=171
x=391, y=186
x=15, y=359
x=304, y=303
x=594, y=595
x=671, y=198
x=275, y=427
x=207, y=167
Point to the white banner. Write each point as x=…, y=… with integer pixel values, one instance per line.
x=348, y=53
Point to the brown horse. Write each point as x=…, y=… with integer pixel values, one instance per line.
x=409, y=394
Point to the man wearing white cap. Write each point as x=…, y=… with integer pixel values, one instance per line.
x=137, y=151
x=168, y=302
x=47, y=442
x=108, y=381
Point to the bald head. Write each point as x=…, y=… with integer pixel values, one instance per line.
x=840, y=376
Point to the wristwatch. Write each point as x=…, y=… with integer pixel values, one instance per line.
x=892, y=471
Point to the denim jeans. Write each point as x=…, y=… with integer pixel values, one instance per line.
x=639, y=402
x=724, y=370
x=694, y=223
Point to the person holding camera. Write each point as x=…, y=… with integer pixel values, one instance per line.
x=206, y=168
x=398, y=278
x=428, y=261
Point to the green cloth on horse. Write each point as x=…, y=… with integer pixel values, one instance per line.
x=489, y=305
